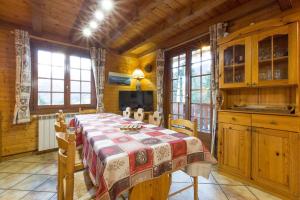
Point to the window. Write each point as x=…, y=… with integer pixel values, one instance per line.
x=190, y=93
x=62, y=80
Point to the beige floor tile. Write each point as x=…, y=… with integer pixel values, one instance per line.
x=181, y=177
x=238, y=192
x=186, y=194
x=48, y=186
x=41, y=158
x=262, y=195
x=13, y=195
x=221, y=179
x=210, y=192
x=204, y=180
x=22, y=167
x=38, y=196
x=177, y=186
x=31, y=182
x=54, y=197
x=12, y=179
x=3, y=175
x=1, y=191
x=49, y=169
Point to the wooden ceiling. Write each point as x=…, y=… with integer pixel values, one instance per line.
x=134, y=27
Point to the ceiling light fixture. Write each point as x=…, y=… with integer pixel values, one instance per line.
x=107, y=5
x=87, y=32
x=99, y=15
x=93, y=24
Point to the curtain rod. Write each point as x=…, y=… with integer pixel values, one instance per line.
x=55, y=42
x=190, y=40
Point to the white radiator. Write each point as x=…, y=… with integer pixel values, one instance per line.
x=47, y=138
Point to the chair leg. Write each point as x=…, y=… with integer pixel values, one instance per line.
x=195, y=187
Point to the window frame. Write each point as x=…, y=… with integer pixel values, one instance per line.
x=68, y=51
x=184, y=49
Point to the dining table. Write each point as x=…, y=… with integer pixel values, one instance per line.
x=122, y=160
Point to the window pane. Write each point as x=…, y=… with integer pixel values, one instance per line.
x=75, y=86
x=206, y=55
x=206, y=67
x=85, y=98
x=195, y=96
x=175, y=61
x=85, y=63
x=58, y=85
x=85, y=75
x=196, y=83
x=44, y=99
x=44, y=71
x=174, y=73
x=196, y=57
x=206, y=82
x=58, y=59
x=85, y=87
x=44, y=85
x=75, y=98
x=206, y=96
x=44, y=57
x=174, y=108
x=75, y=62
x=182, y=60
x=57, y=98
x=195, y=110
x=175, y=85
x=58, y=72
x=75, y=74
x=196, y=69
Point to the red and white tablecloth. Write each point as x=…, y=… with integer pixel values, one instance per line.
x=117, y=160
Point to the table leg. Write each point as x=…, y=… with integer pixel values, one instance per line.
x=157, y=189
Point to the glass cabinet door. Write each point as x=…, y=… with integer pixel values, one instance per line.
x=273, y=58
x=234, y=64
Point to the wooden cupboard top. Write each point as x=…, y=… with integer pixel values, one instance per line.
x=259, y=113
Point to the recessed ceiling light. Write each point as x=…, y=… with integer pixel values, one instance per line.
x=93, y=24
x=107, y=5
x=87, y=32
x=99, y=15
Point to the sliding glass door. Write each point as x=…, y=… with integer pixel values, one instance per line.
x=189, y=83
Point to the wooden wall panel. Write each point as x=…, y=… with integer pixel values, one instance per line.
x=15, y=138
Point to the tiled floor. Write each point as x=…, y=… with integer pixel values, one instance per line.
x=34, y=178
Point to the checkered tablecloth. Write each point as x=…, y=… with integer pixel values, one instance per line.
x=117, y=160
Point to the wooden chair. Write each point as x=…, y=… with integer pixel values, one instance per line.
x=87, y=111
x=71, y=185
x=127, y=112
x=188, y=128
x=139, y=115
x=155, y=119
x=60, y=127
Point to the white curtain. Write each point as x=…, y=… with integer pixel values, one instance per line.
x=160, y=64
x=216, y=31
x=23, y=77
x=98, y=66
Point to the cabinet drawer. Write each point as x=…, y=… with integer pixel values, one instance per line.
x=235, y=118
x=276, y=122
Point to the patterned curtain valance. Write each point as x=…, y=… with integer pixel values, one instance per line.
x=23, y=77
x=98, y=66
x=216, y=31
x=160, y=64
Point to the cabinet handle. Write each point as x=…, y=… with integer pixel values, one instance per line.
x=277, y=153
x=253, y=129
x=233, y=118
x=253, y=84
x=248, y=129
x=273, y=122
x=230, y=127
x=248, y=84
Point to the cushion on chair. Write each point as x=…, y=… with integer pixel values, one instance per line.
x=83, y=186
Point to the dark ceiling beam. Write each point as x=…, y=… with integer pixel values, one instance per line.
x=37, y=16
x=176, y=19
x=285, y=4
x=141, y=12
x=239, y=12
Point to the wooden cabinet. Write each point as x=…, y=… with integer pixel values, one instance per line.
x=235, y=63
x=274, y=55
x=234, y=149
x=271, y=158
x=265, y=58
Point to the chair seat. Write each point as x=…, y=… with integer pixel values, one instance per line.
x=83, y=186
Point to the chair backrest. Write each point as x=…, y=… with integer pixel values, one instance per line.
x=66, y=161
x=127, y=112
x=183, y=126
x=87, y=111
x=155, y=119
x=60, y=122
x=139, y=115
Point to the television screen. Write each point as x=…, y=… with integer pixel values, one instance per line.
x=136, y=99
